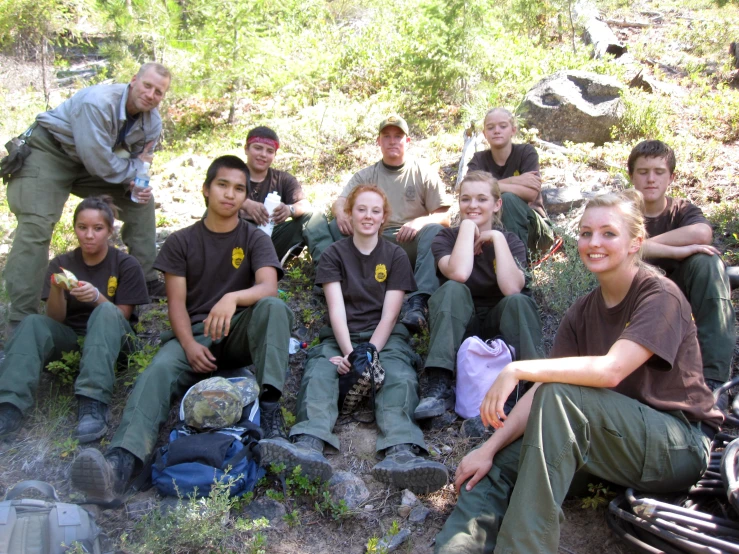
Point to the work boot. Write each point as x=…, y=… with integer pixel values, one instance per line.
x=439, y=396
x=416, y=313
x=272, y=420
x=403, y=469
x=10, y=420
x=103, y=479
x=306, y=452
x=93, y=417
x=722, y=402
x=473, y=428
x=156, y=289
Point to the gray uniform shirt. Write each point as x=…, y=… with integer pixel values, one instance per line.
x=89, y=125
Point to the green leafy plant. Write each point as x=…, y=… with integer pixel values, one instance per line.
x=66, y=447
x=374, y=547
x=139, y=360
x=292, y=518
x=601, y=495
x=288, y=416
x=68, y=366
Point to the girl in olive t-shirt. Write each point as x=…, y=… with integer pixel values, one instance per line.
x=622, y=398
x=97, y=307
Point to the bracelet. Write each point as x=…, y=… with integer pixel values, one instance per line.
x=98, y=295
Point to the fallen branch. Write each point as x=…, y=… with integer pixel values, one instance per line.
x=624, y=23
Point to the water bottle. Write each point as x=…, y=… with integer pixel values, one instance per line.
x=270, y=203
x=141, y=182
x=296, y=345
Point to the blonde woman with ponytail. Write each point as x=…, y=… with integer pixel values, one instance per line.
x=622, y=397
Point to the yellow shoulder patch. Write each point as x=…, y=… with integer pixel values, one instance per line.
x=380, y=273
x=237, y=256
x=112, y=285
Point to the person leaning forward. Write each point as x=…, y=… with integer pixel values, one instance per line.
x=92, y=144
x=221, y=275
x=420, y=205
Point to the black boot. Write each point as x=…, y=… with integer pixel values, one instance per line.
x=403, y=469
x=416, y=313
x=92, y=419
x=306, y=452
x=103, y=479
x=439, y=396
x=272, y=420
x=10, y=420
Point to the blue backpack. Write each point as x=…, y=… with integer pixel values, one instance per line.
x=193, y=461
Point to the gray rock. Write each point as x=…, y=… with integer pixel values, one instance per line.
x=408, y=499
x=267, y=508
x=137, y=510
x=578, y=106
x=561, y=200
x=346, y=486
x=392, y=543
x=418, y=514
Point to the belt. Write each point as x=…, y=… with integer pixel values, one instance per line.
x=708, y=431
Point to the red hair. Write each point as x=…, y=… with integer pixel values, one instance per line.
x=359, y=189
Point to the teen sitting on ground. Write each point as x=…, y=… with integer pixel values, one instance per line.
x=623, y=398
x=680, y=243
x=516, y=166
x=294, y=213
x=221, y=277
x=481, y=264
x=364, y=278
x=98, y=308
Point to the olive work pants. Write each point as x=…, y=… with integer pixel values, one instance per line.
x=453, y=317
x=40, y=340
x=305, y=228
x=36, y=196
x=394, y=404
x=571, y=429
x=527, y=224
x=703, y=280
x=418, y=250
x=259, y=334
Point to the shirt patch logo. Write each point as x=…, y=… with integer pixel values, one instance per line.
x=627, y=324
x=112, y=285
x=410, y=193
x=516, y=173
x=380, y=273
x=495, y=265
x=237, y=256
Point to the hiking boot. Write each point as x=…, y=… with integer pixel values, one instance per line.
x=473, y=428
x=722, y=402
x=272, y=420
x=103, y=479
x=156, y=290
x=439, y=396
x=10, y=420
x=403, y=469
x=416, y=313
x=93, y=417
x=306, y=452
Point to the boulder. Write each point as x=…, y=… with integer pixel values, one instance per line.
x=578, y=106
x=560, y=200
x=346, y=486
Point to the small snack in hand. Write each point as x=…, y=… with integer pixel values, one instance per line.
x=66, y=279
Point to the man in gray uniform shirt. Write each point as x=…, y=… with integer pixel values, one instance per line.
x=94, y=143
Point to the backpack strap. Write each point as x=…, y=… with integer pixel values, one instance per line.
x=41, y=486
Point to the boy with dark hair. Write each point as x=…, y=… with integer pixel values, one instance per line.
x=679, y=242
x=294, y=211
x=221, y=276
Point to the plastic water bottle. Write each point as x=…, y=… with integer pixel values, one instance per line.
x=270, y=203
x=141, y=183
x=296, y=345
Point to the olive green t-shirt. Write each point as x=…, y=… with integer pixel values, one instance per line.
x=414, y=190
x=656, y=315
x=215, y=264
x=365, y=278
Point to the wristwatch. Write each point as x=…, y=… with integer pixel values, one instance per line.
x=292, y=209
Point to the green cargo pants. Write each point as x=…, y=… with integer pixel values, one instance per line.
x=260, y=335
x=703, y=280
x=394, y=404
x=571, y=429
x=307, y=228
x=36, y=195
x=418, y=250
x=527, y=224
x=40, y=340
x=453, y=317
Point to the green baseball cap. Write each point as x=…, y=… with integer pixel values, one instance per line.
x=395, y=121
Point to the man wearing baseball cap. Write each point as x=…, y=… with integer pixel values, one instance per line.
x=419, y=210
